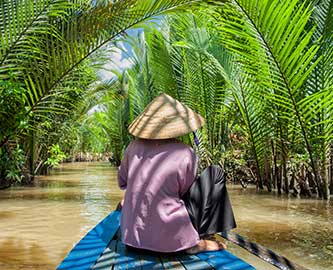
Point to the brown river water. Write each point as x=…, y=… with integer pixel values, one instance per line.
x=40, y=224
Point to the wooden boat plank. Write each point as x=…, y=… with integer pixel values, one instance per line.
x=108, y=257
x=171, y=262
x=223, y=260
x=150, y=262
x=193, y=262
x=126, y=259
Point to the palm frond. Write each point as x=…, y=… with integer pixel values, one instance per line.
x=284, y=50
x=256, y=115
x=57, y=36
x=24, y=25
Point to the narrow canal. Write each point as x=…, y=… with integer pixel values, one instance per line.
x=40, y=224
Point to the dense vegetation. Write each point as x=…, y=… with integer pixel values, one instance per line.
x=260, y=72
x=46, y=75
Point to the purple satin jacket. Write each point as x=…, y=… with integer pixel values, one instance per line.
x=155, y=174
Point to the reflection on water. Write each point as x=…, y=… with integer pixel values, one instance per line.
x=40, y=224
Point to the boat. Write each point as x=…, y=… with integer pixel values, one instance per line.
x=102, y=249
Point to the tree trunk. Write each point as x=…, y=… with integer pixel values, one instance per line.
x=268, y=178
x=277, y=173
x=32, y=153
x=330, y=173
x=279, y=179
x=274, y=165
x=304, y=177
x=284, y=174
x=325, y=186
x=293, y=184
x=325, y=174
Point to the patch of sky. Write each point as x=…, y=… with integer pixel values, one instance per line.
x=118, y=53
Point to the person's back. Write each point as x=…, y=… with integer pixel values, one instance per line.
x=156, y=173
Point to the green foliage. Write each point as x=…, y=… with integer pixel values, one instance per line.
x=278, y=62
x=43, y=42
x=109, y=125
x=12, y=107
x=262, y=80
x=243, y=66
x=55, y=156
x=44, y=47
x=12, y=163
x=179, y=59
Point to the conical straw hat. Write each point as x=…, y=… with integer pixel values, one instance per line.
x=165, y=118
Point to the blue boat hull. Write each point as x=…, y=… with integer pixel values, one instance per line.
x=102, y=249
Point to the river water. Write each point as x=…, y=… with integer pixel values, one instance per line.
x=40, y=224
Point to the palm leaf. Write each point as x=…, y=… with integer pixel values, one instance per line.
x=67, y=34
x=285, y=46
x=24, y=25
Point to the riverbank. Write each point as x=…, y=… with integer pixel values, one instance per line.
x=41, y=223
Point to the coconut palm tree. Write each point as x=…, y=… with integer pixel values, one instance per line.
x=43, y=42
x=179, y=59
x=272, y=76
x=280, y=55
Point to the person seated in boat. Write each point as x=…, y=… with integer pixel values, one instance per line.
x=166, y=208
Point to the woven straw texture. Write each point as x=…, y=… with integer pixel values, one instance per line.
x=164, y=118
